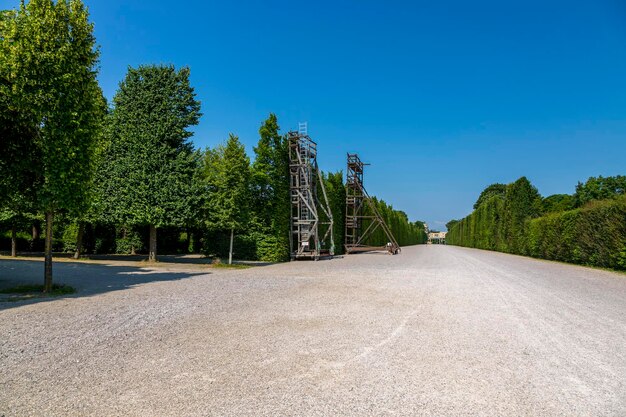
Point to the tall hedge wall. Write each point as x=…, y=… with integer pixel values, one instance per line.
x=594, y=234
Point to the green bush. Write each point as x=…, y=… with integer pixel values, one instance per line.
x=272, y=249
x=129, y=242
x=621, y=258
x=68, y=237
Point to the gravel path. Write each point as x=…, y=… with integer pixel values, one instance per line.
x=435, y=331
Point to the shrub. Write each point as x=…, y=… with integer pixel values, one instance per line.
x=128, y=243
x=272, y=249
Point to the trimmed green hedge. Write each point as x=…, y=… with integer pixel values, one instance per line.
x=594, y=234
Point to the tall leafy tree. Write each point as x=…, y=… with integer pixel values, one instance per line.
x=227, y=178
x=599, y=188
x=270, y=186
x=451, y=224
x=492, y=190
x=557, y=202
x=17, y=135
x=149, y=166
x=90, y=212
x=49, y=67
x=522, y=202
x=17, y=129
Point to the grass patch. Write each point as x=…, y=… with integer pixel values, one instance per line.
x=25, y=292
x=233, y=266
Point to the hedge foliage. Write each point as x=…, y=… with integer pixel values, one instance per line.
x=405, y=231
x=594, y=234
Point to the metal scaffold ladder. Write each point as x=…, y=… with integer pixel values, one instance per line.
x=311, y=230
x=357, y=200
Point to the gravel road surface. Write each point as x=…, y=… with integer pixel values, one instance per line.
x=435, y=331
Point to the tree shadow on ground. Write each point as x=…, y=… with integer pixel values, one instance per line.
x=87, y=279
x=171, y=258
x=188, y=259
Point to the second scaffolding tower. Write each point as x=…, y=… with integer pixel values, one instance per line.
x=360, y=211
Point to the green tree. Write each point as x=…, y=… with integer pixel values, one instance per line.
x=451, y=224
x=227, y=178
x=522, y=202
x=148, y=173
x=490, y=191
x=599, y=188
x=557, y=202
x=49, y=67
x=17, y=122
x=270, y=191
x=17, y=140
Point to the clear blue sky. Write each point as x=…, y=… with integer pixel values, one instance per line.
x=443, y=98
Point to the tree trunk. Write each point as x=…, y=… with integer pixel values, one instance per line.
x=230, y=252
x=152, y=257
x=47, y=282
x=33, y=242
x=79, y=239
x=124, y=236
x=13, y=242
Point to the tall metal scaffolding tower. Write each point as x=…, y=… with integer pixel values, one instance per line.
x=311, y=234
x=356, y=201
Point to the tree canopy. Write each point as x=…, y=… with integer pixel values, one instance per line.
x=227, y=170
x=492, y=190
x=270, y=191
x=148, y=169
x=599, y=188
x=49, y=88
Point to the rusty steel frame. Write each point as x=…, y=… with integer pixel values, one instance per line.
x=356, y=199
x=305, y=179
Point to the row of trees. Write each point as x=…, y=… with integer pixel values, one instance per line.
x=588, y=227
x=113, y=176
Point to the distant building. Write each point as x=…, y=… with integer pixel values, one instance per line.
x=437, y=238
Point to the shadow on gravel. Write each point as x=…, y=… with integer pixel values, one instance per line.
x=187, y=259
x=87, y=279
x=178, y=259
